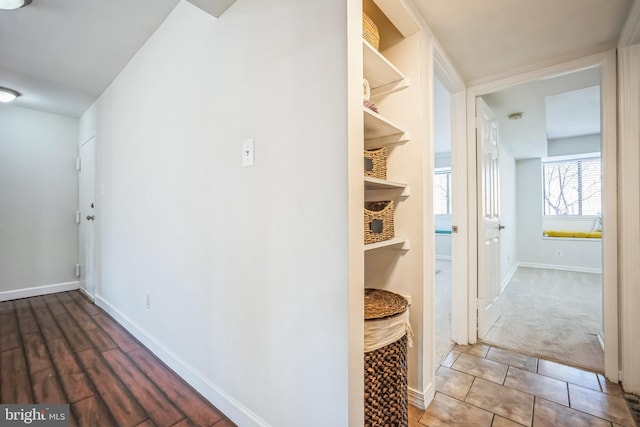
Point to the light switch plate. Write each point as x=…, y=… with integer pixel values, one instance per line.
x=248, y=153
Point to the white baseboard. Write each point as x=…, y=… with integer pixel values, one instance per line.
x=236, y=411
x=86, y=294
x=561, y=267
x=421, y=399
x=509, y=276
x=39, y=290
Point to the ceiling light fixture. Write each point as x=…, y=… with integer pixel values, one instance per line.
x=515, y=116
x=8, y=95
x=13, y=4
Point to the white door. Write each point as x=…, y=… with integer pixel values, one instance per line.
x=86, y=205
x=489, y=308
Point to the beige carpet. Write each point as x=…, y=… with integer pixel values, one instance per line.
x=443, y=311
x=553, y=314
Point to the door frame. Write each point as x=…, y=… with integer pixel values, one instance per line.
x=88, y=275
x=608, y=100
x=451, y=80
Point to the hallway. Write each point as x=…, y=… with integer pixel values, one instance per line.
x=61, y=348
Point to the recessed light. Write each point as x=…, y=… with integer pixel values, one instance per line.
x=8, y=95
x=13, y=4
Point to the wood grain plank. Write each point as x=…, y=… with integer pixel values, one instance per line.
x=80, y=316
x=92, y=412
x=47, y=388
x=100, y=340
x=75, y=336
x=10, y=341
x=160, y=409
x=15, y=386
x=37, y=303
x=117, y=334
x=55, y=306
x=27, y=324
x=224, y=423
x=36, y=352
x=48, y=326
x=147, y=423
x=123, y=407
x=74, y=380
x=86, y=305
x=22, y=307
x=8, y=323
x=183, y=423
x=7, y=307
x=9, y=332
x=199, y=411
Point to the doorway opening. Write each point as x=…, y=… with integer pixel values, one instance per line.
x=550, y=252
x=443, y=208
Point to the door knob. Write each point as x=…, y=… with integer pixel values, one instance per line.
x=91, y=217
x=500, y=227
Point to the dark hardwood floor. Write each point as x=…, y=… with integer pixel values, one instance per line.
x=61, y=348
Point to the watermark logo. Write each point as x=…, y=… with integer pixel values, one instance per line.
x=34, y=415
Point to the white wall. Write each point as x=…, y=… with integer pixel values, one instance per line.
x=532, y=247
x=575, y=145
x=246, y=268
x=508, y=214
x=38, y=233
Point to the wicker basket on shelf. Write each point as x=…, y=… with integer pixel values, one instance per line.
x=375, y=163
x=378, y=221
x=385, y=367
x=370, y=31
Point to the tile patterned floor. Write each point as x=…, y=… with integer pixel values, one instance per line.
x=484, y=386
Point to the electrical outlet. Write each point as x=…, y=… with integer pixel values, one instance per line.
x=148, y=301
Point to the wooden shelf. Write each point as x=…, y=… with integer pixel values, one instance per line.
x=380, y=189
x=379, y=130
x=371, y=183
x=382, y=75
x=402, y=242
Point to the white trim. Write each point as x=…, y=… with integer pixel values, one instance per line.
x=231, y=407
x=560, y=267
x=86, y=294
x=534, y=69
x=509, y=276
x=447, y=74
x=421, y=399
x=443, y=257
x=607, y=61
x=629, y=199
x=630, y=33
x=39, y=290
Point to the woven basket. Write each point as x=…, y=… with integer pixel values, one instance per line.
x=375, y=163
x=385, y=369
x=378, y=221
x=370, y=31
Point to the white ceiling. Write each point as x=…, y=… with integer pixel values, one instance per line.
x=572, y=116
x=61, y=55
x=492, y=37
x=573, y=113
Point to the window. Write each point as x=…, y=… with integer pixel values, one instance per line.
x=572, y=186
x=442, y=191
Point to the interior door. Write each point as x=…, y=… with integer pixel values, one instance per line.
x=489, y=307
x=86, y=205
